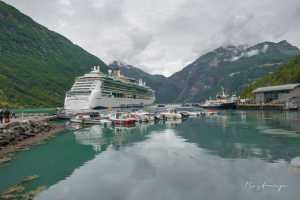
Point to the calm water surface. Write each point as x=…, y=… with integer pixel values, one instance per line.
x=235, y=156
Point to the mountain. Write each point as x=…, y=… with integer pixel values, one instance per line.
x=231, y=67
x=37, y=65
x=287, y=73
x=153, y=81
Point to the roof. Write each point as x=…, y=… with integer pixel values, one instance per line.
x=276, y=88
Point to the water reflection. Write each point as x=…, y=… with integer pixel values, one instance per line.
x=246, y=135
x=203, y=158
x=52, y=162
x=188, y=160
x=100, y=137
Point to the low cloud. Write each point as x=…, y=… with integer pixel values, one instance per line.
x=163, y=36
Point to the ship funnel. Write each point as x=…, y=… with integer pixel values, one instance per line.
x=116, y=72
x=140, y=82
x=96, y=69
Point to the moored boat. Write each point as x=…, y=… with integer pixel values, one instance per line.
x=85, y=119
x=170, y=115
x=120, y=118
x=142, y=116
x=222, y=101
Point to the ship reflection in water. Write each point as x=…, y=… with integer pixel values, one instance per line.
x=234, y=155
x=102, y=137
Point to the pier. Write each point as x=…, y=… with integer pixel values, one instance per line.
x=260, y=107
x=22, y=117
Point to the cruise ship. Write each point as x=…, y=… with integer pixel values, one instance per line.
x=96, y=90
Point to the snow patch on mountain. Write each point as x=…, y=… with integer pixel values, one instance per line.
x=265, y=48
x=234, y=73
x=251, y=53
x=248, y=53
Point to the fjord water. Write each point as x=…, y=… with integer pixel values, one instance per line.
x=236, y=155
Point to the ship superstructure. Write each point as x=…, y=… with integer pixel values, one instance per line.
x=222, y=101
x=98, y=90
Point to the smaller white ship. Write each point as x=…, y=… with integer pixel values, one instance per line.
x=222, y=101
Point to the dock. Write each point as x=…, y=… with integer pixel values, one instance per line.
x=38, y=117
x=260, y=107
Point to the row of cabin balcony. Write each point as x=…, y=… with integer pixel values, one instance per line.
x=125, y=90
x=123, y=85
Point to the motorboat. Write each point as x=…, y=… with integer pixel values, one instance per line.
x=142, y=116
x=84, y=119
x=170, y=115
x=89, y=118
x=120, y=118
x=186, y=114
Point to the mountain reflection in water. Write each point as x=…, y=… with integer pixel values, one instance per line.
x=215, y=157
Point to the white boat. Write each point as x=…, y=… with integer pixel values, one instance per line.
x=91, y=118
x=122, y=118
x=170, y=115
x=190, y=114
x=98, y=90
x=142, y=116
x=105, y=121
x=84, y=119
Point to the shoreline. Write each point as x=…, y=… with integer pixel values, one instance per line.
x=8, y=152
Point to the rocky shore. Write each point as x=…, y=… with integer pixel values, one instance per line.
x=17, y=136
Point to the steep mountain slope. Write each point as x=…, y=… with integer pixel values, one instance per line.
x=288, y=73
x=231, y=67
x=154, y=81
x=37, y=65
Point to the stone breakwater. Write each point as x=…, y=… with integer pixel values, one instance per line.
x=18, y=131
x=17, y=136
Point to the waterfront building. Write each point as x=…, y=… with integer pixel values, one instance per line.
x=288, y=95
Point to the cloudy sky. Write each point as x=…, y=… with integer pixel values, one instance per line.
x=162, y=36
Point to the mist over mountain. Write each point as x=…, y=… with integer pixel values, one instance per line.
x=37, y=66
x=153, y=81
x=231, y=67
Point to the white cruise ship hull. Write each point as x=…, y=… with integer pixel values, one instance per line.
x=86, y=103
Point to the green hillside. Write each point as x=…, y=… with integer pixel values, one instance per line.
x=37, y=65
x=288, y=73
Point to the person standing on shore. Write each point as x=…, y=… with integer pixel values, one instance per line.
x=6, y=116
x=1, y=116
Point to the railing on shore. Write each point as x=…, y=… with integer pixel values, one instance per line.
x=33, y=116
